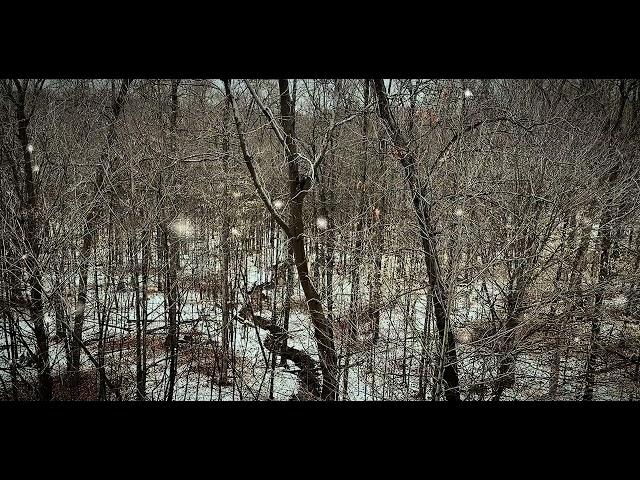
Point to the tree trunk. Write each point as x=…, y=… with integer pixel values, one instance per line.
x=89, y=232
x=354, y=309
x=428, y=242
x=299, y=185
x=226, y=254
x=605, y=232
x=36, y=304
x=288, y=293
x=604, y=272
x=85, y=253
x=506, y=368
x=568, y=242
x=172, y=254
x=141, y=323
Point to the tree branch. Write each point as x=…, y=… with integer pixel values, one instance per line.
x=267, y=111
x=332, y=126
x=475, y=125
x=36, y=91
x=9, y=91
x=250, y=162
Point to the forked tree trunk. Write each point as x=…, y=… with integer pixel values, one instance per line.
x=429, y=246
x=299, y=185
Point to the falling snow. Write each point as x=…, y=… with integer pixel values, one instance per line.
x=322, y=223
x=182, y=227
x=399, y=363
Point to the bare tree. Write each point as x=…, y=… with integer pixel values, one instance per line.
x=418, y=191
x=23, y=97
x=299, y=186
x=90, y=228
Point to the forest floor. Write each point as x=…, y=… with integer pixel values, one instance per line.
x=386, y=370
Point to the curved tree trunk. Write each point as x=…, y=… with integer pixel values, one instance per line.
x=428, y=241
x=299, y=185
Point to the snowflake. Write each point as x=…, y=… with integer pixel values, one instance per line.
x=458, y=212
x=322, y=223
x=35, y=168
x=182, y=227
x=468, y=93
x=235, y=231
x=30, y=148
x=278, y=204
x=236, y=194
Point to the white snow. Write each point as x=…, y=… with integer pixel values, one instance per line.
x=617, y=301
x=182, y=227
x=322, y=223
x=386, y=370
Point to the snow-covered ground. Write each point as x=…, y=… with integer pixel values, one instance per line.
x=387, y=370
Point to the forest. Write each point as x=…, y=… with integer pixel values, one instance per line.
x=319, y=239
